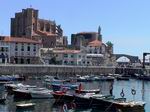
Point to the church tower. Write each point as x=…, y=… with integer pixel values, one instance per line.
x=99, y=34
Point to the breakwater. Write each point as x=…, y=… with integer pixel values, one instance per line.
x=63, y=70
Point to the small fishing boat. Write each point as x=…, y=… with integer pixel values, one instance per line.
x=88, y=91
x=80, y=90
x=62, y=97
x=58, y=86
x=86, y=78
x=11, y=87
x=122, y=78
x=41, y=93
x=25, y=105
x=116, y=104
x=35, y=93
x=86, y=100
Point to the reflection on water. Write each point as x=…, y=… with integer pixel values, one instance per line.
x=47, y=105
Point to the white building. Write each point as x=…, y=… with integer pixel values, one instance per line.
x=70, y=57
x=96, y=47
x=19, y=50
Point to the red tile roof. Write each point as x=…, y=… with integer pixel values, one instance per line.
x=95, y=43
x=20, y=40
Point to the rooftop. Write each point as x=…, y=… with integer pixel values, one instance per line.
x=19, y=40
x=87, y=33
x=95, y=43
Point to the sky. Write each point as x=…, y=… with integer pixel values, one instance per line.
x=126, y=23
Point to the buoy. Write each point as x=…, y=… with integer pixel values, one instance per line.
x=133, y=91
x=122, y=93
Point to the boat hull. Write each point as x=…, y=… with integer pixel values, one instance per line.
x=63, y=97
x=22, y=95
x=41, y=96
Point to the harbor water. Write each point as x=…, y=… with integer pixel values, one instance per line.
x=48, y=105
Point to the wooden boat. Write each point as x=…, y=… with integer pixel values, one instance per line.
x=11, y=87
x=107, y=102
x=21, y=94
x=122, y=78
x=41, y=93
x=80, y=90
x=36, y=93
x=88, y=91
x=106, y=78
x=84, y=78
x=115, y=104
x=62, y=96
x=86, y=101
x=25, y=105
x=57, y=87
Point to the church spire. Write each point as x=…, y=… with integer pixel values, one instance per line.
x=99, y=30
x=99, y=34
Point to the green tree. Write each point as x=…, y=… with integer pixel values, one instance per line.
x=109, y=44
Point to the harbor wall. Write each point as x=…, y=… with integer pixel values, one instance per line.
x=63, y=70
x=54, y=69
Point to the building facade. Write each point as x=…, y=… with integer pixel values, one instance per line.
x=28, y=24
x=19, y=50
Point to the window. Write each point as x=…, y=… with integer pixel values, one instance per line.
x=16, y=48
x=16, y=60
x=72, y=56
x=6, y=49
x=22, y=61
x=34, y=47
x=72, y=62
x=22, y=47
x=65, y=55
x=65, y=62
x=95, y=52
x=33, y=27
x=47, y=27
x=28, y=61
x=28, y=48
x=2, y=49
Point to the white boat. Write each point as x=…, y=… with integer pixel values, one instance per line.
x=25, y=105
x=41, y=93
x=28, y=93
x=17, y=86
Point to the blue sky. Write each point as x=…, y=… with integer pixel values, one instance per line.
x=126, y=23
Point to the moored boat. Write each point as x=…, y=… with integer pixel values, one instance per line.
x=61, y=96
x=88, y=91
x=41, y=93
x=116, y=104
x=35, y=93
x=80, y=90
x=57, y=87
x=25, y=105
